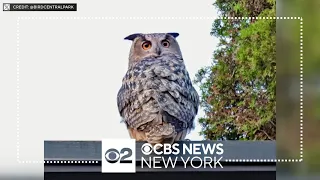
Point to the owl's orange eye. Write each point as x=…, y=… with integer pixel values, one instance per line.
x=165, y=43
x=146, y=45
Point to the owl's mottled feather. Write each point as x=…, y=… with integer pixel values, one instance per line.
x=157, y=100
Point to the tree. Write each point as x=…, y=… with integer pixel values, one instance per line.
x=238, y=91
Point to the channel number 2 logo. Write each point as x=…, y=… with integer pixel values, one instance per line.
x=113, y=155
x=118, y=155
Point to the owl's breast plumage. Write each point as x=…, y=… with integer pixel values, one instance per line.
x=158, y=86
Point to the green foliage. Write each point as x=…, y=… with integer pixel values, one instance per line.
x=238, y=90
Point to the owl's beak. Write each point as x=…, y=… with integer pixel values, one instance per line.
x=158, y=51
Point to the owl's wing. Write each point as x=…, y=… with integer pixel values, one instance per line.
x=135, y=100
x=178, y=99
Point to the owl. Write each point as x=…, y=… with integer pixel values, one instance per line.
x=157, y=101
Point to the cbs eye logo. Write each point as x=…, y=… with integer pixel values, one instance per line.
x=113, y=155
x=146, y=149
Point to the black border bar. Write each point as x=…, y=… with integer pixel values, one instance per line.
x=231, y=175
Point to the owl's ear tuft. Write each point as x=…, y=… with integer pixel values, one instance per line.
x=131, y=37
x=174, y=34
